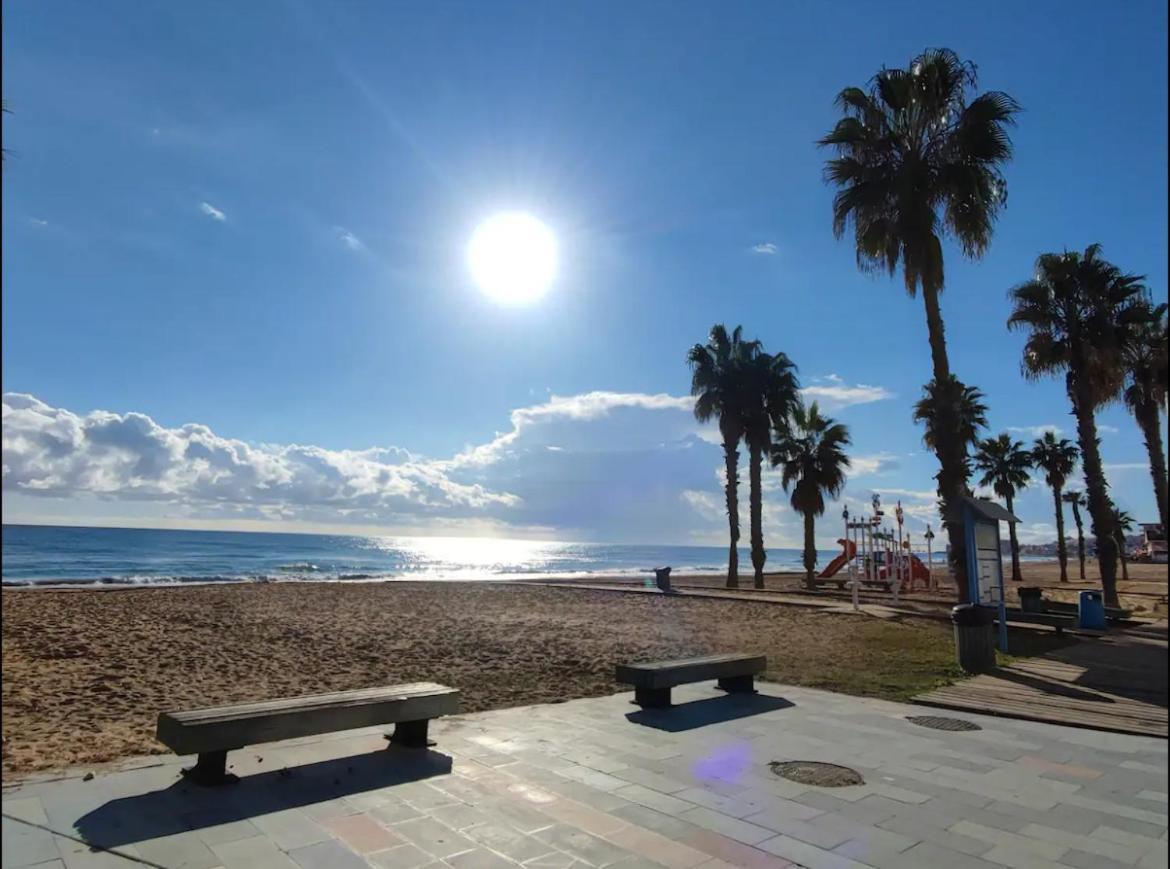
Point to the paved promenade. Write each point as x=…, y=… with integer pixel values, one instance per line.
x=597, y=782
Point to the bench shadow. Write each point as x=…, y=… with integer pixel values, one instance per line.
x=183, y=806
x=701, y=713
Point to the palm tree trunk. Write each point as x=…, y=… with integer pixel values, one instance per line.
x=731, y=464
x=810, y=551
x=1150, y=420
x=1016, y=576
x=759, y=556
x=952, y=453
x=1080, y=538
x=1100, y=507
x=1061, y=550
x=1121, y=555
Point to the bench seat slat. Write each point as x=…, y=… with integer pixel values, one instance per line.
x=230, y=727
x=668, y=674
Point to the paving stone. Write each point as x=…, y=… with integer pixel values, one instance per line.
x=1009, y=841
x=460, y=816
x=291, y=829
x=733, y=852
x=180, y=851
x=479, y=859
x=1101, y=847
x=229, y=832
x=257, y=852
x=649, y=819
x=1018, y=858
x=24, y=845
x=28, y=809
x=808, y=855
x=402, y=857
x=654, y=800
x=361, y=833
x=660, y=849
x=433, y=837
x=554, y=860
x=327, y=855
x=507, y=841
x=1085, y=860
x=581, y=845
x=649, y=778
x=925, y=831
x=1144, y=844
x=929, y=855
x=393, y=813
x=725, y=825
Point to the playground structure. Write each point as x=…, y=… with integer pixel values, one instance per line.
x=877, y=557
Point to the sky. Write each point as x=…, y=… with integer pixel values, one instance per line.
x=236, y=291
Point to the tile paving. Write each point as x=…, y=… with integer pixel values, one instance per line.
x=598, y=783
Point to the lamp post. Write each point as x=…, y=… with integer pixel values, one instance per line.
x=852, y=561
x=929, y=556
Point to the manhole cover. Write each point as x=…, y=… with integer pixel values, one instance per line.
x=938, y=722
x=812, y=772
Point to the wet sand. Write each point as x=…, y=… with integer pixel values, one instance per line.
x=86, y=673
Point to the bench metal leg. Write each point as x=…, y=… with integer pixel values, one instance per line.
x=652, y=698
x=738, y=684
x=410, y=734
x=210, y=769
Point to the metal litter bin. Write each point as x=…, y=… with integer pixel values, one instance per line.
x=1031, y=599
x=1091, y=611
x=974, y=637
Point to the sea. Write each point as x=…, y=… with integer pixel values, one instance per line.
x=52, y=555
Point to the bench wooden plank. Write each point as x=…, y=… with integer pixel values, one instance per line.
x=668, y=674
x=214, y=731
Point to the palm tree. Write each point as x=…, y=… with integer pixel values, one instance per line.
x=773, y=392
x=1005, y=465
x=811, y=449
x=1145, y=357
x=918, y=158
x=1057, y=458
x=1077, y=500
x=718, y=384
x=965, y=413
x=1123, y=522
x=1078, y=310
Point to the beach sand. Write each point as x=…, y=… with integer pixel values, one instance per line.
x=87, y=672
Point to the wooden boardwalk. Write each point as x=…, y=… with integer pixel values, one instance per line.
x=1115, y=683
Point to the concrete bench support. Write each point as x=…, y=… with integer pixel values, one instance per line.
x=212, y=733
x=652, y=681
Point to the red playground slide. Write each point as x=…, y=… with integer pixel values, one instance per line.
x=841, y=560
x=918, y=571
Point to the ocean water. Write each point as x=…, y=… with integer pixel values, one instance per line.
x=48, y=555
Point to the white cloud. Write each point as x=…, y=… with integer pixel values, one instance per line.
x=1127, y=466
x=36, y=221
x=706, y=504
x=212, y=212
x=766, y=248
x=1107, y=429
x=600, y=465
x=350, y=240
x=1035, y=431
x=52, y=452
x=839, y=395
x=878, y=463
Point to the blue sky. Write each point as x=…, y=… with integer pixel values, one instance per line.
x=251, y=220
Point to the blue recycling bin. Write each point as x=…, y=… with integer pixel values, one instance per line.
x=1091, y=611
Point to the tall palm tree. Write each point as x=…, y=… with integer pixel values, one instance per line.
x=1076, y=500
x=1078, y=310
x=1123, y=522
x=1057, y=458
x=811, y=449
x=1145, y=356
x=919, y=157
x=1005, y=465
x=718, y=384
x=773, y=392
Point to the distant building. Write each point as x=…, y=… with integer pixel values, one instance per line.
x=1153, y=545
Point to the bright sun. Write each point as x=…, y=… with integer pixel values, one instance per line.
x=513, y=257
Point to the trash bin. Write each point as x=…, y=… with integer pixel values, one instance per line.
x=974, y=637
x=662, y=578
x=1091, y=611
x=1031, y=599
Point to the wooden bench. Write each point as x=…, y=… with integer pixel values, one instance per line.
x=212, y=733
x=652, y=681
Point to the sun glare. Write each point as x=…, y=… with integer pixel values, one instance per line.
x=513, y=257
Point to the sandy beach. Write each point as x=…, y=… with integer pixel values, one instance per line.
x=86, y=673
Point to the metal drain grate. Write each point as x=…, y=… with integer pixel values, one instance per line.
x=814, y=772
x=938, y=722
